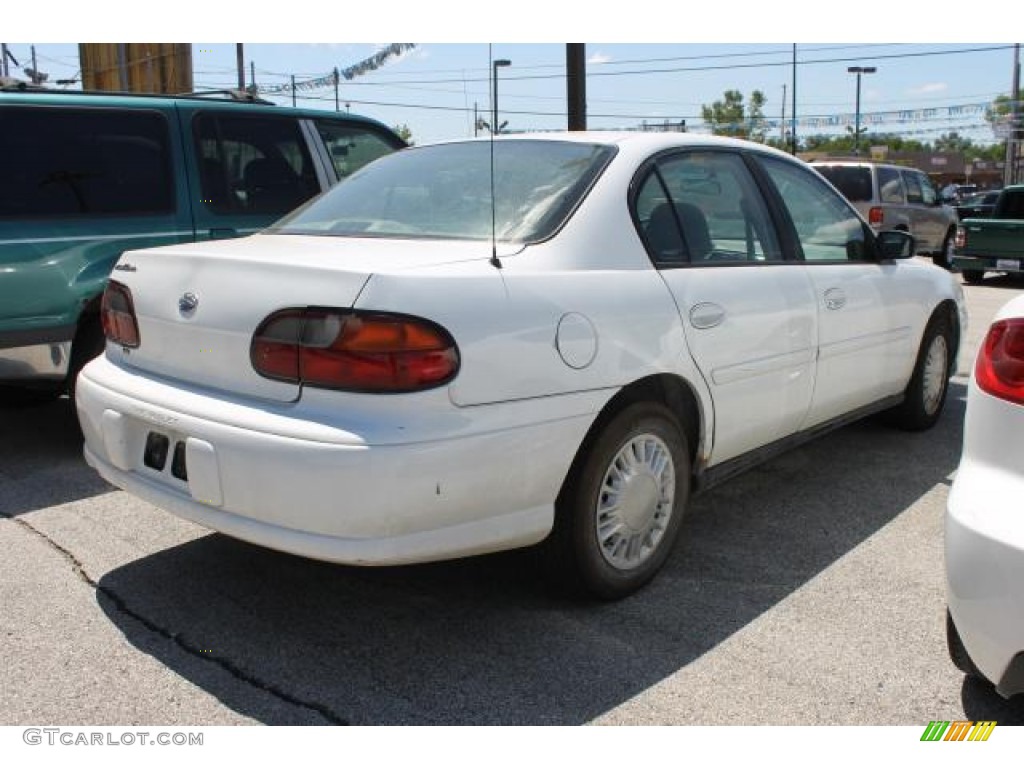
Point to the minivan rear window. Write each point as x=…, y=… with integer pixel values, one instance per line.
x=852, y=180
x=74, y=162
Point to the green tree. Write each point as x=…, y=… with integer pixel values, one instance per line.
x=954, y=142
x=731, y=117
x=404, y=132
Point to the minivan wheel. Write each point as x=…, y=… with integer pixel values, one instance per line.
x=619, y=514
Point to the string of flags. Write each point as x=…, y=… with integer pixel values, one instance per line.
x=348, y=73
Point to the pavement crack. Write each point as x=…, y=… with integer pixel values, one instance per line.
x=183, y=643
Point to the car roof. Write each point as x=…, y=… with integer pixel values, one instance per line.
x=641, y=141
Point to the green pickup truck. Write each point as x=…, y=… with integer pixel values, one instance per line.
x=86, y=176
x=994, y=244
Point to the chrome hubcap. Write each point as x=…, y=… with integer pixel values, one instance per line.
x=635, y=502
x=934, y=378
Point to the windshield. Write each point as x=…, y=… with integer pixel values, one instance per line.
x=852, y=180
x=444, y=191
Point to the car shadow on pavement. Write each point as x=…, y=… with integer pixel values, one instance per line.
x=282, y=639
x=41, y=462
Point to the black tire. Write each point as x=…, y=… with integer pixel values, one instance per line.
x=653, y=502
x=944, y=258
x=957, y=652
x=973, y=276
x=19, y=397
x=925, y=395
x=89, y=343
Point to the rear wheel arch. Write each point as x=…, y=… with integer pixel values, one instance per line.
x=670, y=390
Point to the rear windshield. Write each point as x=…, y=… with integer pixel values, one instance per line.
x=853, y=181
x=444, y=191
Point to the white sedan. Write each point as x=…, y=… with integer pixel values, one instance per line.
x=474, y=346
x=985, y=514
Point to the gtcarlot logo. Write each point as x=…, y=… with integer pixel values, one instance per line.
x=70, y=737
x=962, y=730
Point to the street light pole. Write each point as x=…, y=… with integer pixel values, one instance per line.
x=856, y=129
x=494, y=111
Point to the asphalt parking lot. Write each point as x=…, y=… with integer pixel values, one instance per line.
x=808, y=591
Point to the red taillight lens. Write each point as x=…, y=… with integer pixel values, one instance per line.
x=875, y=216
x=117, y=313
x=961, y=238
x=1000, y=366
x=357, y=351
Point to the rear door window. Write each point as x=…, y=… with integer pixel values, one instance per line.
x=84, y=162
x=704, y=208
x=253, y=164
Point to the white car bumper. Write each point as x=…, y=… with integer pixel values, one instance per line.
x=463, y=482
x=985, y=548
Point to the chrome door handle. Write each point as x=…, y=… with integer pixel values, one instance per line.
x=835, y=298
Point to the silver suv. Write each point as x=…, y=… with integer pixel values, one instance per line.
x=894, y=197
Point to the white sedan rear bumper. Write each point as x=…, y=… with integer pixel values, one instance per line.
x=470, y=481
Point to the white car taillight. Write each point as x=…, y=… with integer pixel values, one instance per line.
x=354, y=351
x=117, y=313
x=999, y=370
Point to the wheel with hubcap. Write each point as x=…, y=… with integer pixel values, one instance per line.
x=926, y=393
x=619, y=512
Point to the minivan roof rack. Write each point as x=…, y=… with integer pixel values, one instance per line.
x=231, y=93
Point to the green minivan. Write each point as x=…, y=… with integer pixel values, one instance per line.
x=86, y=176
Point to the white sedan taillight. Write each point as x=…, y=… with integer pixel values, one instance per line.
x=117, y=313
x=999, y=370
x=354, y=351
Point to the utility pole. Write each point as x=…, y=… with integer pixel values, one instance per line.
x=576, y=85
x=782, y=122
x=252, y=76
x=241, y=66
x=3, y=54
x=337, y=103
x=476, y=120
x=1013, y=137
x=293, y=90
x=35, y=69
x=792, y=133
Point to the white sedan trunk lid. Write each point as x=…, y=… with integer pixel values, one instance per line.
x=236, y=284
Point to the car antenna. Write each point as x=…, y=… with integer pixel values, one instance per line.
x=495, y=261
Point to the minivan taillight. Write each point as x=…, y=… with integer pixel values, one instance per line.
x=875, y=216
x=117, y=314
x=1000, y=366
x=355, y=351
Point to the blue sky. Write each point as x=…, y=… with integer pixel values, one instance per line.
x=434, y=87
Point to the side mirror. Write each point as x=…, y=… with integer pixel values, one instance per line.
x=894, y=244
